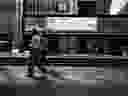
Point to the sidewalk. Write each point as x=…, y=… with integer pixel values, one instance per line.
x=4, y=54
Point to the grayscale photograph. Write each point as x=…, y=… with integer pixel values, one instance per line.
x=61, y=48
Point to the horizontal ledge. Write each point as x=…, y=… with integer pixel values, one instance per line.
x=88, y=56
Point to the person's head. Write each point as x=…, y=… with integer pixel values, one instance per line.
x=35, y=32
x=35, y=41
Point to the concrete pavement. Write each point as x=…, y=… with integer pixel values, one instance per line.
x=75, y=75
x=83, y=81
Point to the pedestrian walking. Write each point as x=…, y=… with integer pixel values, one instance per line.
x=36, y=54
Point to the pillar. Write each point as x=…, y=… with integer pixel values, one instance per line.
x=72, y=45
x=63, y=44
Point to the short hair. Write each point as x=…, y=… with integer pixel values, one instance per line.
x=34, y=32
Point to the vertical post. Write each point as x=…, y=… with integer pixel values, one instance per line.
x=74, y=6
x=10, y=34
x=63, y=44
x=21, y=21
x=19, y=14
x=72, y=45
x=17, y=22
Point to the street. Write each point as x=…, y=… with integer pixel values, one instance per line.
x=75, y=75
x=82, y=80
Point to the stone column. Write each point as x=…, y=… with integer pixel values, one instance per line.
x=72, y=45
x=19, y=32
x=16, y=24
x=63, y=44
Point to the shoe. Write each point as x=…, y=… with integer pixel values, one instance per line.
x=56, y=75
x=30, y=75
x=40, y=78
x=44, y=70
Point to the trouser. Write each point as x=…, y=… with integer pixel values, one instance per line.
x=36, y=61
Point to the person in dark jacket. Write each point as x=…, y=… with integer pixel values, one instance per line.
x=38, y=47
x=39, y=52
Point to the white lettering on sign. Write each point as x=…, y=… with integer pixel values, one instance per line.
x=69, y=23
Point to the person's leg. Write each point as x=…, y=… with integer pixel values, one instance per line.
x=51, y=72
x=30, y=68
x=43, y=63
x=41, y=68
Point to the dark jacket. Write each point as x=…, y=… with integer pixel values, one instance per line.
x=39, y=44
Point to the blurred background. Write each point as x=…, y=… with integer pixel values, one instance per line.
x=94, y=36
